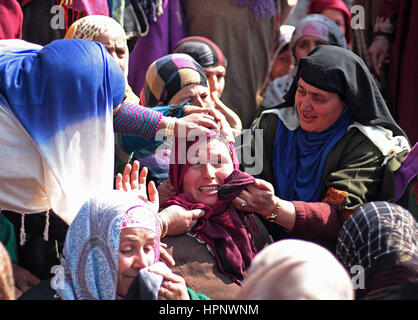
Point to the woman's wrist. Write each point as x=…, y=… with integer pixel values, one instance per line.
x=167, y=126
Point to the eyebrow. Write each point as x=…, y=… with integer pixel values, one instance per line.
x=315, y=94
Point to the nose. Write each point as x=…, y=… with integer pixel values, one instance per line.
x=305, y=103
x=140, y=261
x=208, y=171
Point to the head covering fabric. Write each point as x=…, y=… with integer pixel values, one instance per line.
x=296, y=270
x=92, y=26
x=7, y=287
x=168, y=75
x=222, y=227
x=318, y=26
x=286, y=32
x=91, y=7
x=299, y=158
x=61, y=99
x=341, y=71
x=317, y=6
x=204, y=51
x=91, y=248
x=11, y=20
x=382, y=238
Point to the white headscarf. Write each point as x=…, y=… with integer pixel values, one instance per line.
x=296, y=270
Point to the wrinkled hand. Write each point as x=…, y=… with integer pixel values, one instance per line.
x=165, y=190
x=202, y=121
x=181, y=220
x=131, y=181
x=24, y=280
x=379, y=53
x=173, y=286
x=258, y=198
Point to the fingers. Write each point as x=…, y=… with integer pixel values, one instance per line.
x=126, y=185
x=165, y=256
x=173, y=287
x=134, y=175
x=153, y=192
x=142, y=182
x=118, y=182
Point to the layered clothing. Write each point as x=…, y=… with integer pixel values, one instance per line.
x=315, y=25
x=359, y=167
x=61, y=150
x=223, y=228
x=91, y=250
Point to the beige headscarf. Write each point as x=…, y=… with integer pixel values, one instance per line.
x=296, y=270
x=89, y=28
x=7, y=287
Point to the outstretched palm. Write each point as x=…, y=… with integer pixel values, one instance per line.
x=131, y=180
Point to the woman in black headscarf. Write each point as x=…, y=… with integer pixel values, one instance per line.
x=329, y=148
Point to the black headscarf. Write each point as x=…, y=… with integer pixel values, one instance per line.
x=340, y=71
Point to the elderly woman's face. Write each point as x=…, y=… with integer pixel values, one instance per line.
x=317, y=109
x=136, y=251
x=207, y=171
x=196, y=94
x=115, y=42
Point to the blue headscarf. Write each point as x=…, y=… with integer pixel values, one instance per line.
x=62, y=97
x=91, y=249
x=299, y=157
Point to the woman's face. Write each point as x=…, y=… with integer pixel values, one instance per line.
x=115, y=42
x=216, y=79
x=207, y=171
x=282, y=65
x=136, y=251
x=337, y=16
x=317, y=109
x=196, y=94
x=306, y=44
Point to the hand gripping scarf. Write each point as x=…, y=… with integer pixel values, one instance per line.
x=223, y=228
x=59, y=101
x=91, y=248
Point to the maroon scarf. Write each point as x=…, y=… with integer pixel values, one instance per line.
x=223, y=228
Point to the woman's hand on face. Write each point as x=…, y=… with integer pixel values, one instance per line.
x=173, y=286
x=181, y=220
x=258, y=198
x=132, y=180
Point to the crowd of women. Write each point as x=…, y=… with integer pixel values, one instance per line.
x=121, y=178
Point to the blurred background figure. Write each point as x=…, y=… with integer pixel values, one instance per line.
x=296, y=270
x=337, y=11
x=11, y=20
